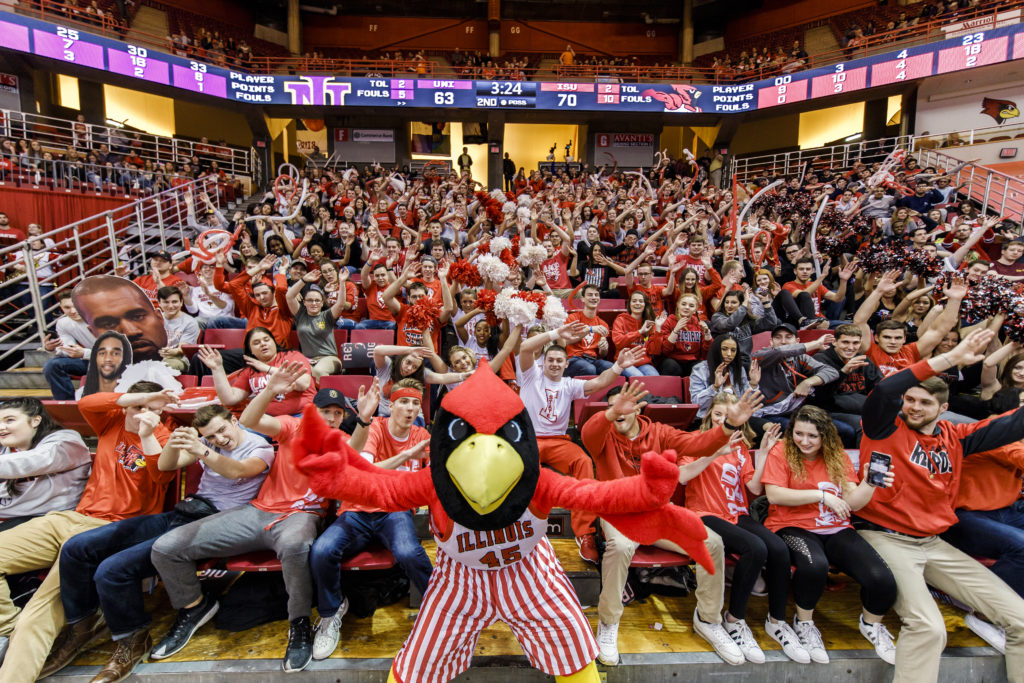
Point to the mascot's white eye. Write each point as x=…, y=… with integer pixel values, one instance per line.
x=457, y=429
x=513, y=431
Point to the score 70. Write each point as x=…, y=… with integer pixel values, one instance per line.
x=566, y=99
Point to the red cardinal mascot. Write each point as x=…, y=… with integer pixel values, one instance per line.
x=489, y=501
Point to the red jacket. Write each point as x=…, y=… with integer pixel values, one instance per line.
x=690, y=342
x=626, y=332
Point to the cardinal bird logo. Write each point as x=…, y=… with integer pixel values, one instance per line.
x=1000, y=110
x=681, y=97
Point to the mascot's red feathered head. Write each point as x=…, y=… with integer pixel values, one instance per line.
x=483, y=453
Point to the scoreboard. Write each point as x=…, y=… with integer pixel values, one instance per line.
x=74, y=46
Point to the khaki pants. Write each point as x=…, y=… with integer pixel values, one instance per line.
x=326, y=365
x=618, y=553
x=27, y=547
x=919, y=562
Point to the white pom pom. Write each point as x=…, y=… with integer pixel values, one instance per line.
x=350, y=174
x=508, y=207
x=500, y=244
x=554, y=313
x=524, y=200
x=149, y=371
x=498, y=195
x=517, y=311
x=398, y=183
x=532, y=255
x=523, y=213
x=492, y=268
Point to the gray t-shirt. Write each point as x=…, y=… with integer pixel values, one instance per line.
x=230, y=493
x=182, y=330
x=316, y=335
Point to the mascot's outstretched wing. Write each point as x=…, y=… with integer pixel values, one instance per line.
x=638, y=507
x=335, y=470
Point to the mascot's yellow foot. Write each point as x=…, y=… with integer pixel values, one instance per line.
x=587, y=674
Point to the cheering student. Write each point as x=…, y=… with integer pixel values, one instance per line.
x=902, y=523
x=617, y=438
x=812, y=487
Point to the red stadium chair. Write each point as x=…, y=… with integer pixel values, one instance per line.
x=678, y=415
x=340, y=337
x=375, y=556
x=207, y=381
x=66, y=414
x=686, y=389
x=761, y=340
x=293, y=340
x=188, y=381
x=386, y=337
x=807, y=336
x=346, y=384
x=231, y=339
x=663, y=385
x=651, y=557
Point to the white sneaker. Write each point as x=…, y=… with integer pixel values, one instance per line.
x=328, y=632
x=782, y=634
x=719, y=639
x=990, y=633
x=608, y=643
x=810, y=638
x=745, y=641
x=879, y=636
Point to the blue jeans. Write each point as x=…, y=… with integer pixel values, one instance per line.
x=350, y=533
x=58, y=372
x=375, y=325
x=225, y=322
x=104, y=568
x=997, y=534
x=646, y=370
x=578, y=365
x=345, y=324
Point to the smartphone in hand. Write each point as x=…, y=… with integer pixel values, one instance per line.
x=880, y=463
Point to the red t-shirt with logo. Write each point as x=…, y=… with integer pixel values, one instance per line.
x=286, y=489
x=588, y=345
x=124, y=481
x=891, y=364
x=382, y=445
x=284, y=404
x=815, y=517
x=721, y=489
x=375, y=306
x=556, y=271
x=407, y=335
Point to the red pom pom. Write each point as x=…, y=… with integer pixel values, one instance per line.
x=424, y=313
x=538, y=298
x=466, y=273
x=485, y=300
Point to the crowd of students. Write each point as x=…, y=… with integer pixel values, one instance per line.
x=427, y=251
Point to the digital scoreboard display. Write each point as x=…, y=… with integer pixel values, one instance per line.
x=75, y=46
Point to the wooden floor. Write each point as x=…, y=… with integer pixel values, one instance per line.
x=657, y=625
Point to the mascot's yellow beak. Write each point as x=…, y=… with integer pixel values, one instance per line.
x=485, y=468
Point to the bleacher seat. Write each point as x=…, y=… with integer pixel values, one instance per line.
x=761, y=340
x=652, y=557
x=663, y=385
x=807, y=336
x=66, y=414
x=346, y=384
x=372, y=337
x=231, y=339
x=678, y=415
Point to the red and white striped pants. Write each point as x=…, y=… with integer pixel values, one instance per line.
x=533, y=596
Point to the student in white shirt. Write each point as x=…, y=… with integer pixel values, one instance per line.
x=72, y=345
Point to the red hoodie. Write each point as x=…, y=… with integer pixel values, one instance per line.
x=626, y=332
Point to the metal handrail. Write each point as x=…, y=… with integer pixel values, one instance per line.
x=918, y=34
x=834, y=156
x=975, y=136
x=91, y=246
x=57, y=135
x=991, y=190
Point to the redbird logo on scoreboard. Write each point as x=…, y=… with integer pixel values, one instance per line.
x=625, y=140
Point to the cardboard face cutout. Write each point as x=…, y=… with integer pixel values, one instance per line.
x=108, y=303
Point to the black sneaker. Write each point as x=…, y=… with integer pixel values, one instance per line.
x=807, y=323
x=189, y=620
x=300, y=645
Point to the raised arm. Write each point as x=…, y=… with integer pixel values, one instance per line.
x=955, y=291
x=531, y=348
x=279, y=381
x=886, y=285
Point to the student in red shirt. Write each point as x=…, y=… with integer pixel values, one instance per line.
x=889, y=350
x=616, y=438
x=125, y=482
x=586, y=357
x=408, y=334
x=812, y=487
x=901, y=420
x=159, y=275
x=284, y=518
x=809, y=293
x=392, y=443
x=717, y=492
x=556, y=267
x=379, y=316
x=263, y=354
x=685, y=338
x=639, y=327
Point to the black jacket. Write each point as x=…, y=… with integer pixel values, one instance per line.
x=848, y=393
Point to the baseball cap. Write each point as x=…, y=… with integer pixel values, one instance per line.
x=784, y=326
x=166, y=255
x=428, y=259
x=329, y=397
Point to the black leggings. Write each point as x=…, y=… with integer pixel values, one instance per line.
x=757, y=547
x=811, y=554
x=792, y=309
x=676, y=368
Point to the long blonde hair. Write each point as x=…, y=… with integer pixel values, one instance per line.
x=831, y=447
x=722, y=398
